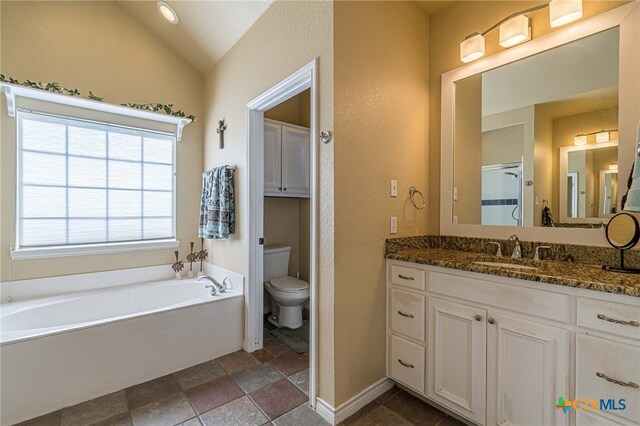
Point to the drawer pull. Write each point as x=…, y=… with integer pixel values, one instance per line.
x=404, y=277
x=405, y=364
x=621, y=322
x=618, y=382
x=405, y=315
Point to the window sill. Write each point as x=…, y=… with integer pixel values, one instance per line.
x=88, y=249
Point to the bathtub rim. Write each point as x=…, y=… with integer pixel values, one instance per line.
x=42, y=332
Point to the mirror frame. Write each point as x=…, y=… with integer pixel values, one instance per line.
x=564, y=159
x=627, y=17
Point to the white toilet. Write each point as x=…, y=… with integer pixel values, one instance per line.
x=288, y=294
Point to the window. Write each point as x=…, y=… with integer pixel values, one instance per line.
x=82, y=182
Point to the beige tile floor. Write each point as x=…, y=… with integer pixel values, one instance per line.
x=269, y=386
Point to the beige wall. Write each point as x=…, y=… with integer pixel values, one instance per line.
x=294, y=111
x=96, y=46
x=543, y=168
x=286, y=37
x=503, y=146
x=468, y=151
x=381, y=125
x=447, y=29
x=565, y=129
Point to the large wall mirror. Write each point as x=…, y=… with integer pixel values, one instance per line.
x=532, y=135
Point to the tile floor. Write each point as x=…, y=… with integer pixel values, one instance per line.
x=397, y=407
x=269, y=386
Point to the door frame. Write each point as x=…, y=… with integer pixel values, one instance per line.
x=303, y=79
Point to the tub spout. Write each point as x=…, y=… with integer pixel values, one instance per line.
x=219, y=287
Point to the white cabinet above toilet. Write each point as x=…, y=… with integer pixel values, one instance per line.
x=286, y=160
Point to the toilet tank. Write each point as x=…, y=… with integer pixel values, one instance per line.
x=276, y=262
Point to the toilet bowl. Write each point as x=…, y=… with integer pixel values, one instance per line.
x=288, y=294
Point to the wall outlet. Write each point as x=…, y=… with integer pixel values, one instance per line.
x=394, y=188
x=393, y=228
x=455, y=220
x=455, y=193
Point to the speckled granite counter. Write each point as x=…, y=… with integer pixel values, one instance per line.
x=571, y=274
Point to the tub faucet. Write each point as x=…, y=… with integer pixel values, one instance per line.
x=517, y=251
x=218, y=287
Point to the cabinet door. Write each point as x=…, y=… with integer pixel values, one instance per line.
x=295, y=161
x=272, y=158
x=457, y=358
x=527, y=371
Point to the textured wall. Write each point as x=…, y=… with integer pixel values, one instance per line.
x=97, y=46
x=280, y=43
x=381, y=124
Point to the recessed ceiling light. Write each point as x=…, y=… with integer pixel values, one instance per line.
x=168, y=12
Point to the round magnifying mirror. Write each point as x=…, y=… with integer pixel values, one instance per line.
x=623, y=231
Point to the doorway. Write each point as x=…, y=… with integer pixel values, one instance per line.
x=302, y=80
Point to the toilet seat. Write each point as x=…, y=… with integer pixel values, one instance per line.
x=289, y=284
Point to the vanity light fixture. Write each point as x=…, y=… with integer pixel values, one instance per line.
x=580, y=140
x=613, y=166
x=472, y=48
x=562, y=12
x=516, y=29
x=602, y=136
x=168, y=12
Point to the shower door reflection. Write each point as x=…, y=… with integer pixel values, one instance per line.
x=502, y=194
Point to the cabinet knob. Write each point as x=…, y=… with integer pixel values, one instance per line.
x=478, y=318
x=491, y=321
x=280, y=189
x=284, y=189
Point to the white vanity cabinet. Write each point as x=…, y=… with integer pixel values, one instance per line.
x=500, y=351
x=286, y=160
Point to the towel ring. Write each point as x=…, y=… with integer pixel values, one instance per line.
x=412, y=192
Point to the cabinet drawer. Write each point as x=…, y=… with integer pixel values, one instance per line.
x=407, y=363
x=408, y=277
x=539, y=303
x=586, y=418
x=597, y=359
x=407, y=314
x=609, y=317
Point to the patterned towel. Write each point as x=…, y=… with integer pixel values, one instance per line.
x=217, y=205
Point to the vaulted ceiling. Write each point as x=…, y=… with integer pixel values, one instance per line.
x=206, y=29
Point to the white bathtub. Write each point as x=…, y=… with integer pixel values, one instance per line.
x=59, y=350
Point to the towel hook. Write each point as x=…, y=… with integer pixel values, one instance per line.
x=412, y=192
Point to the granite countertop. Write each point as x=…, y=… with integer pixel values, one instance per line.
x=568, y=274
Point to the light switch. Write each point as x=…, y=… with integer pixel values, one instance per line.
x=455, y=193
x=455, y=220
x=393, y=229
x=394, y=188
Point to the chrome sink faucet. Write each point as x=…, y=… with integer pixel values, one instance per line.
x=517, y=251
x=216, y=287
x=536, y=256
x=499, y=250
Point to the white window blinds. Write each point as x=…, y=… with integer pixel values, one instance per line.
x=83, y=182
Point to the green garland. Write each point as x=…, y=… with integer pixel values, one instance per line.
x=57, y=88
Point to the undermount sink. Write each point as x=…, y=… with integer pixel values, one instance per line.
x=506, y=265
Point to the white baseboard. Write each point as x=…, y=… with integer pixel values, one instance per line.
x=349, y=408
